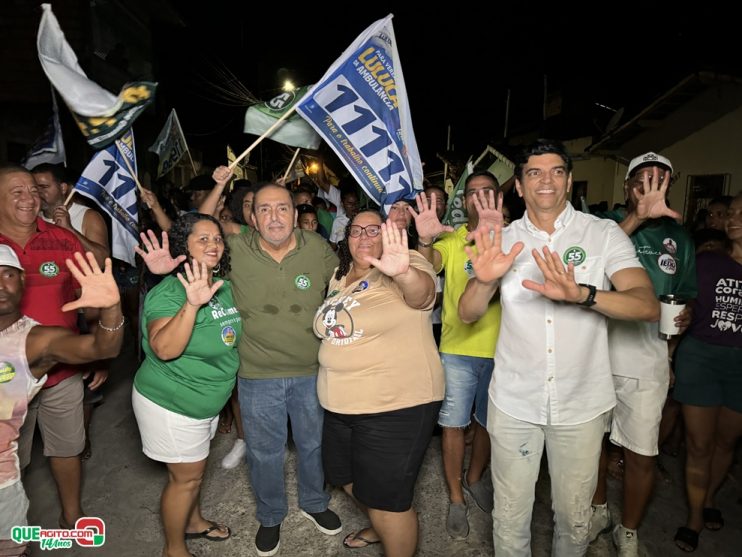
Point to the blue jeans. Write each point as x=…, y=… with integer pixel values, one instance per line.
x=467, y=383
x=266, y=406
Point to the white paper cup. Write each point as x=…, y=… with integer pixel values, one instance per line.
x=670, y=308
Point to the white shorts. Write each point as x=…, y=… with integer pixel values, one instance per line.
x=171, y=437
x=13, y=508
x=638, y=413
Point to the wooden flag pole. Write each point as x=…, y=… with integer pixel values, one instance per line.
x=277, y=123
x=291, y=164
x=69, y=196
x=193, y=166
x=180, y=129
x=128, y=166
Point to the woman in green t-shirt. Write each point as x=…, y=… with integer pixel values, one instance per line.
x=190, y=329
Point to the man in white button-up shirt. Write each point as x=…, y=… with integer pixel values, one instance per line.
x=552, y=383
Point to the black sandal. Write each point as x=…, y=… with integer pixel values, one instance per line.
x=712, y=519
x=687, y=537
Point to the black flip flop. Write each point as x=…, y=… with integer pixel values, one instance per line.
x=206, y=533
x=357, y=536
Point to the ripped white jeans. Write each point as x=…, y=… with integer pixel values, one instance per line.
x=573, y=452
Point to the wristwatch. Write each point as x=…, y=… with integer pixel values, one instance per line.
x=590, y=300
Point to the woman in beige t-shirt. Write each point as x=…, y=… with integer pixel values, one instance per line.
x=380, y=379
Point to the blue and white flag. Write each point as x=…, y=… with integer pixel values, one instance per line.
x=360, y=108
x=49, y=147
x=107, y=181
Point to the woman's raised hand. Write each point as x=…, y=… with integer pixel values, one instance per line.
x=395, y=259
x=196, y=284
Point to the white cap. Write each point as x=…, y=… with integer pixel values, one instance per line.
x=8, y=258
x=648, y=159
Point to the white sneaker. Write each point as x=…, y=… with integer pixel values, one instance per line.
x=600, y=522
x=235, y=456
x=626, y=541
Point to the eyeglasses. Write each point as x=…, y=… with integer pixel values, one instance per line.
x=372, y=230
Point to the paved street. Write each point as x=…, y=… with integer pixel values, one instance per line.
x=123, y=487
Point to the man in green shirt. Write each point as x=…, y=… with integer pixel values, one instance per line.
x=639, y=358
x=279, y=277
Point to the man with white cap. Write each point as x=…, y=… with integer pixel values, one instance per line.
x=42, y=249
x=639, y=358
x=28, y=351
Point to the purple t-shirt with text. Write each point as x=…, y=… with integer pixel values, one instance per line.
x=717, y=313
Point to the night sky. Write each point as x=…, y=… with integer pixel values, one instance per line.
x=458, y=65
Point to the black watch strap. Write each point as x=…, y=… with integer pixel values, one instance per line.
x=590, y=301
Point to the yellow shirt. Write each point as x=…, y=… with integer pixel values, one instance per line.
x=479, y=338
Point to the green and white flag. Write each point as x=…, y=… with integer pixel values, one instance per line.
x=294, y=131
x=456, y=210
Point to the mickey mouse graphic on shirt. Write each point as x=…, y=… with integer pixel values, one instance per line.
x=333, y=329
x=334, y=322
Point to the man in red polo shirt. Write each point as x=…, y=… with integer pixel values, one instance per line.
x=42, y=249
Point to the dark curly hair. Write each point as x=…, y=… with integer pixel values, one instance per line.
x=344, y=250
x=178, y=236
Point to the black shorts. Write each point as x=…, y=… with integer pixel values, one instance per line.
x=380, y=454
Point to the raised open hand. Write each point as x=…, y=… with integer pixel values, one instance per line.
x=426, y=219
x=488, y=261
x=395, y=257
x=559, y=281
x=652, y=203
x=158, y=259
x=196, y=284
x=99, y=289
x=489, y=211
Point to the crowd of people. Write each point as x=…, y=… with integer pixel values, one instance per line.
x=305, y=314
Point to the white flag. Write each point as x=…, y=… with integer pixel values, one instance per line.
x=170, y=145
x=107, y=181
